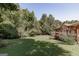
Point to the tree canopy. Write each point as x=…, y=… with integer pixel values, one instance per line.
x=10, y=6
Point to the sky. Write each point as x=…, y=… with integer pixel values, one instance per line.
x=61, y=11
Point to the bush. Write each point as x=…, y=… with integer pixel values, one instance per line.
x=68, y=39
x=33, y=32
x=8, y=30
x=2, y=44
x=46, y=29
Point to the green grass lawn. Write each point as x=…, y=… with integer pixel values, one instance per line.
x=38, y=46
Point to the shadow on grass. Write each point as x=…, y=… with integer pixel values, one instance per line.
x=65, y=42
x=29, y=47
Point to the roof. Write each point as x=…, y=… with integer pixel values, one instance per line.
x=66, y=24
x=75, y=24
x=72, y=24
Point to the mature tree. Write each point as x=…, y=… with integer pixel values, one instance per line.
x=43, y=19
x=51, y=21
x=44, y=23
x=7, y=17
x=10, y=6
x=48, y=23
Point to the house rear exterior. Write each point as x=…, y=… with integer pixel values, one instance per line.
x=68, y=30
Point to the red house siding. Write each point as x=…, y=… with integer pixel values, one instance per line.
x=69, y=29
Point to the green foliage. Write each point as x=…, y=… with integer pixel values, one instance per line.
x=8, y=30
x=25, y=21
x=68, y=39
x=48, y=24
x=33, y=32
x=3, y=44
x=45, y=29
x=10, y=6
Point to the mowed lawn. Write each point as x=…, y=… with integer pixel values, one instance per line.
x=42, y=45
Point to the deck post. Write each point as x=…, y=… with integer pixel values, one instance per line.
x=77, y=35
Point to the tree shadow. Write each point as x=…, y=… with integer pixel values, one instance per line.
x=65, y=42
x=30, y=47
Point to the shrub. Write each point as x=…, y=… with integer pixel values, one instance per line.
x=45, y=30
x=68, y=39
x=33, y=32
x=2, y=44
x=8, y=30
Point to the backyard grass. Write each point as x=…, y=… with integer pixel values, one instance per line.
x=41, y=45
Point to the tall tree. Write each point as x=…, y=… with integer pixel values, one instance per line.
x=10, y=6
x=51, y=21
x=43, y=19
x=48, y=23
x=44, y=24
